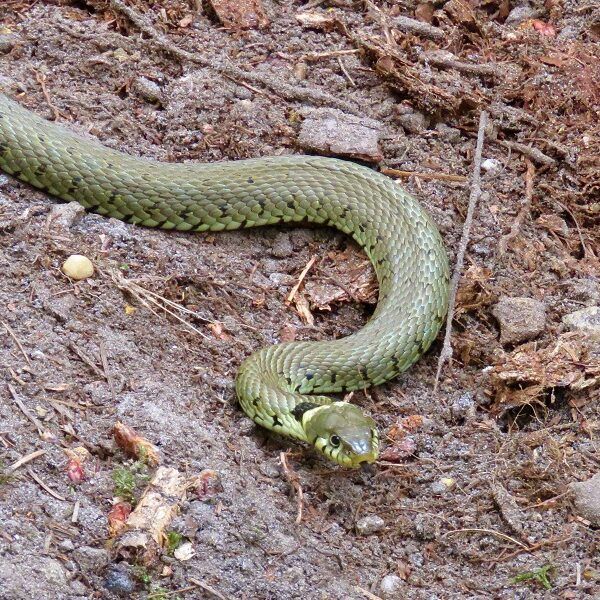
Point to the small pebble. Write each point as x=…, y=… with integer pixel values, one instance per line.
x=390, y=587
x=282, y=246
x=463, y=407
x=441, y=486
x=7, y=43
x=491, y=165
x=520, y=319
x=119, y=581
x=149, y=90
x=586, y=499
x=586, y=320
x=519, y=14
x=78, y=267
x=64, y=216
x=92, y=559
x=369, y=525
x=413, y=122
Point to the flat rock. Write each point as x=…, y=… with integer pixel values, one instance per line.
x=391, y=587
x=92, y=559
x=586, y=320
x=335, y=133
x=369, y=525
x=520, y=319
x=586, y=499
x=64, y=216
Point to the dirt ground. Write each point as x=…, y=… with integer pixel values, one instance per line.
x=473, y=499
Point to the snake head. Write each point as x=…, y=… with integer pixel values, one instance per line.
x=343, y=433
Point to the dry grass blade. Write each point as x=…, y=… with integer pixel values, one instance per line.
x=153, y=302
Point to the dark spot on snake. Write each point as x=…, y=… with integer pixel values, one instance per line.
x=250, y=180
x=361, y=227
x=76, y=179
x=394, y=360
x=255, y=401
x=378, y=238
x=380, y=261
x=276, y=421
x=262, y=202
x=309, y=376
x=333, y=377
x=301, y=408
x=289, y=380
x=291, y=204
x=363, y=372
x=17, y=173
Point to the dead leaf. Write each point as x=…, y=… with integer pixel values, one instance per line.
x=135, y=445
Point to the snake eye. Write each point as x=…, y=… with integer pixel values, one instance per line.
x=334, y=440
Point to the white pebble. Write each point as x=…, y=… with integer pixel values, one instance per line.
x=491, y=165
x=369, y=525
x=78, y=267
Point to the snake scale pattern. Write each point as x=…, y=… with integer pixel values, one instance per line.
x=281, y=387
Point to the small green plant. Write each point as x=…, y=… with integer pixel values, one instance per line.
x=537, y=575
x=142, y=575
x=126, y=479
x=174, y=539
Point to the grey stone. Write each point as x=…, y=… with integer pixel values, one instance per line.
x=334, y=132
x=586, y=320
x=92, y=559
x=413, y=122
x=391, y=587
x=586, y=290
x=282, y=246
x=64, y=216
x=119, y=581
x=147, y=89
x=520, y=319
x=463, y=406
x=450, y=134
x=586, y=499
x=519, y=14
x=7, y=43
x=369, y=525
x=23, y=578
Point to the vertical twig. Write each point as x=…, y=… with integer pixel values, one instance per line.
x=446, y=353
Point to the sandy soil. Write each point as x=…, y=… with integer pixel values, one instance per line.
x=478, y=493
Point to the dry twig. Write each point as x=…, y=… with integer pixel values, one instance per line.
x=306, y=269
x=14, y=337
x=294, y=481
x=275, y=84
x=430, y=176
x=446, y=353
x=24, y=460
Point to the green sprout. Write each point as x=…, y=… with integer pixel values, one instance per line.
x=127, y=479
x=538, y=575
x=174, y=539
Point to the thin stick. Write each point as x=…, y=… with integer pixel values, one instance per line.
x=38, y=424
x=446, y=353
x=306, y=269
x=490, y=532
x=525, y=206
x=41, y=79
x=367, y=593
x=14, y=337
x=36, y=478
x=436, y=176
x=208, y=588
x=276, y=85
x=24, y=460
x=345, y=72
x=294, y=480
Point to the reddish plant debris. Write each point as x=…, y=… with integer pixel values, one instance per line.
x=399, y=451
x=240, y=14
x=404, y=426
x=207, y=484
x=135, y=445
x=117, y=517
x=77, y=457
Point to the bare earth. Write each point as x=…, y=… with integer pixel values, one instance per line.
x=473, y=497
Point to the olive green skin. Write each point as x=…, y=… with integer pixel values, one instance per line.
x=280, y=386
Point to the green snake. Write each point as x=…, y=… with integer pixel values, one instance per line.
x=280, y=387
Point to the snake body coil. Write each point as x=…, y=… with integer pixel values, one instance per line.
x=279, y=386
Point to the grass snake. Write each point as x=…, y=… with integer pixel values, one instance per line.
x=280, y=387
